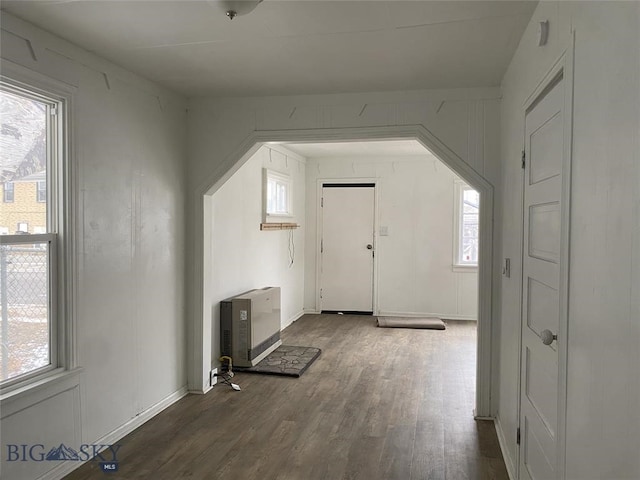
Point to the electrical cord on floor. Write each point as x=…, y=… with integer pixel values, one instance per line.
x=225, y=379
x=227, y=374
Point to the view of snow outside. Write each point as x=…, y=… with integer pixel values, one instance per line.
x=24, y=322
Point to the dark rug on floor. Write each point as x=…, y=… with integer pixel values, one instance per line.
x=285, y=360
x=405, y=322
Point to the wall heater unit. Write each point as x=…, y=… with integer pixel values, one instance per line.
x=250, y=326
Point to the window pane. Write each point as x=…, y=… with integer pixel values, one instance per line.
x=24, y=301
x=282, y=198
x=271, y=196
x=469, y=228
x=278, y=193
x=42, y=191
x=8, y=192
x=23, y=162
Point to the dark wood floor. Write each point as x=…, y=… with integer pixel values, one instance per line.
x=377, y=404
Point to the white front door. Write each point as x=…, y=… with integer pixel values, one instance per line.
x=543, y=262
x=347, y=247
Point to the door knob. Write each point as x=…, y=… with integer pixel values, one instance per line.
x=548, y=337
x=369, y=247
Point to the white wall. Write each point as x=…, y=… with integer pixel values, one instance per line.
x=415, y=200
x=129, y=140
x=603, y=423
x=242, y=256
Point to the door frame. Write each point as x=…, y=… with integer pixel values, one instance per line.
x=564, y=66
x=319, y=233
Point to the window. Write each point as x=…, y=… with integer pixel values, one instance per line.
x=467, y=226
x=277, y=194
x=9, y=192
x=42, y=191
x=33, y=132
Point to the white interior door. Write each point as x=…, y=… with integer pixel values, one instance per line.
x=347, y=247
x=543, y=259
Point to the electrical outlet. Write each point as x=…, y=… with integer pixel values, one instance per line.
x=213, y=379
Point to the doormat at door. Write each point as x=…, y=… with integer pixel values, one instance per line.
x=285, y=360
x=407, y=322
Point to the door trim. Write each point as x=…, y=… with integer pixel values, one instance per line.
x=564, y=66
x=337, y=183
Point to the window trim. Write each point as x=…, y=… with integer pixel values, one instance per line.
x=457, y=265
x=60, y=212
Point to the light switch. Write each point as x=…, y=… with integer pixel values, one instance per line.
x=384, y=231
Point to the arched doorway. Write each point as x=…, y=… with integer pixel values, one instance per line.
x=200, y=318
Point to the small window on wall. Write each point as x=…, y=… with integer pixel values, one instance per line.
x=277, y=194
x=467, y=213
x=9, y=192
x=42, y=191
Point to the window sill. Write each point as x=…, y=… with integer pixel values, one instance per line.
x=465, y=268
x=38, y=386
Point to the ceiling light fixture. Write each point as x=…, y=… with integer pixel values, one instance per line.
x=234, y=8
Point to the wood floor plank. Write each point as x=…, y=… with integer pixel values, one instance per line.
x=378, y=404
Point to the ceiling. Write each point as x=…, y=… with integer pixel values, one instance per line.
x=381, y=148
x=295, y=46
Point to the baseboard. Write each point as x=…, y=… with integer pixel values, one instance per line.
x=293, y=319
x=201, y=392
x=446, y=316
x=111, y=438
x=311, y=311
x=508, y=461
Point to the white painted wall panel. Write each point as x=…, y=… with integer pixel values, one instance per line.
x=603, y=425
x=45, y=425
x=242, y=256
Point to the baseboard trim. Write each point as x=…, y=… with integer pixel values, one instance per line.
x=484, y=419
x=111, y=438
x=294, y=318
x=503, y=447
x=446, y=316
x=206, y=389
